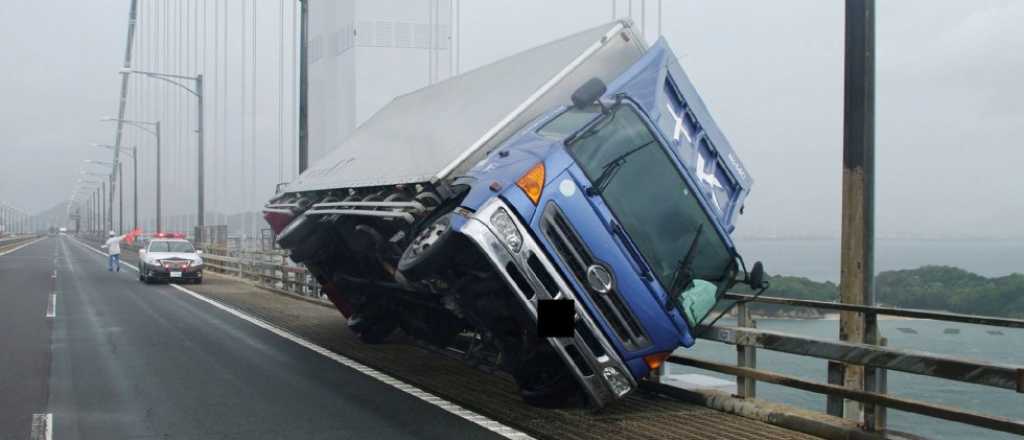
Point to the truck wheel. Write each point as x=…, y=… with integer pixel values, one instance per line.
x=304, y=237
x=427, y=250
x=544, y=381
x=372, y=331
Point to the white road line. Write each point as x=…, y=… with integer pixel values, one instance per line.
x=484, y=422
x=42, y=426
x=19, y=247
x=51, y=308
x=469, y=415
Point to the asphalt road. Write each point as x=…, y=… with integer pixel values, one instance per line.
x=121, y=359
x=25, y=285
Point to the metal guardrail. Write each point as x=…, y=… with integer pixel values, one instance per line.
x=747, y=339
x=267, y=269
x=9, y=241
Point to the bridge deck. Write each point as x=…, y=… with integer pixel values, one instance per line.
x=642, y=416
x=97, y=302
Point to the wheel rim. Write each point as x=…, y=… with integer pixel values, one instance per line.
x=428, y=237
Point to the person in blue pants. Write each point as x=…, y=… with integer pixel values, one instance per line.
x=113, y=246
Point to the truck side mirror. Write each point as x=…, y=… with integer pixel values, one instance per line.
x=588, y=93
x=756, y=276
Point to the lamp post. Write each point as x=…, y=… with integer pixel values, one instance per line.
x=155, y=131
x=135, y=179
x=120, y=192
x=104, y=219
x=92, y=201
x=197, y=90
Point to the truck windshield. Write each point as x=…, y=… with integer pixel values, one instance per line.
x=650, y=197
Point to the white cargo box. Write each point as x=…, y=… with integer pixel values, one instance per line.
x=440, y=131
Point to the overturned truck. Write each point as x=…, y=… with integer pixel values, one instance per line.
x=564, y=213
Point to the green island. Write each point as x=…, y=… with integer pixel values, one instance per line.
x=929, y=287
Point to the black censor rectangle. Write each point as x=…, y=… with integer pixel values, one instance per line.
x=556, y=318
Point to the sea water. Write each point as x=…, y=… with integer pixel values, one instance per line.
x=819, y=260
x=972, y=342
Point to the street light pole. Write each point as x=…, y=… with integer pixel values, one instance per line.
x=159, y=203
x=202, y=198
x=103, y=208
x=135, y=187
x=198, y=92
x=155, y=132
x=120, y=199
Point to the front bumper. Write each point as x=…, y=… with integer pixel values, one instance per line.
x=588, y=354
x=163, y=274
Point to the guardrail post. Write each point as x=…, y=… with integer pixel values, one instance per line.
x=746, y=355
x=833, y=403
x=875, y=379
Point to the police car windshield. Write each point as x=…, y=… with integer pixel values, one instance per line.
x=171, y=246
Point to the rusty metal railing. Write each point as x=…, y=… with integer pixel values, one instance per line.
x=747, y=339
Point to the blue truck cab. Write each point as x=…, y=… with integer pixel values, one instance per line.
x=623, y=204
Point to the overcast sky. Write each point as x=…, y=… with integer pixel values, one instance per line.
x=949, y=104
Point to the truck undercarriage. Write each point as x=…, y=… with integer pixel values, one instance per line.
x=356, y=243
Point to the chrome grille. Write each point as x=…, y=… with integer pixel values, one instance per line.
x=578, y=258
x=175, y=264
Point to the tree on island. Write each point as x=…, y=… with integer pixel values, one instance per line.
x=928, y=287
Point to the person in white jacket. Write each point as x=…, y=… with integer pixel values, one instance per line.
x=113, y=246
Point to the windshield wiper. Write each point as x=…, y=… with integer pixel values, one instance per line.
x=610, y=169
x=683, y=277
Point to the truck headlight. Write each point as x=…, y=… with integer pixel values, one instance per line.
x=507, y=231
x=618, y=383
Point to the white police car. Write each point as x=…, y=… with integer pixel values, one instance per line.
x=170, y=259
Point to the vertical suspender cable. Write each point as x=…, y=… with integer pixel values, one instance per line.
x=187, y=136
x=132, y=10
x=241, y=109
x=203, y=71
x=252, y=126
x=643, y=18
x=297, y=71
x=280, y=91
x=179, y=135
x=217, y=121
x=223, y=20
x=458, y=36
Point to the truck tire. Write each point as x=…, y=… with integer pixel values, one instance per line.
x=372, y=330
x=305, y=238
x=428, y=249
x=545, y=382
